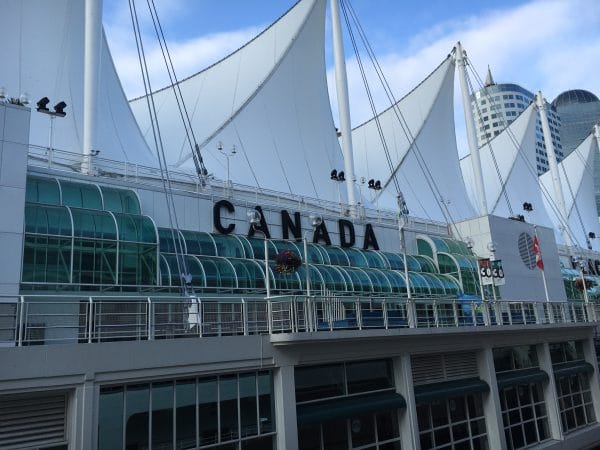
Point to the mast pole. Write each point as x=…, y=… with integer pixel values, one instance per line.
x=559, y=196
x=341, y=83
x=93, y=36
x=461, y=63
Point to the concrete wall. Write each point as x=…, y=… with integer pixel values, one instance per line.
x=14, y=144
x=522, y=282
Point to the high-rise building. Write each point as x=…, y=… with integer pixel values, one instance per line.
x=579, y=110
x=495, y=106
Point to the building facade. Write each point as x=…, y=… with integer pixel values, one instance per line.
x=495, y=106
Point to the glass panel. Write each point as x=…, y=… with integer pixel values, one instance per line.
x=427, y=264
x=185, y=414
x=362, y=430
x=136, y=228
x=360, y=280
x=395, y=260
x=356, y=257
x=335, y=435
x=337, y=256
x=248, y=406
x=228, y=400
x=228, y=246
x=47, y=220
x=387, y=425
x=46, y=260
x=93, y=224
x=263, y=443
x=266, y=405
x=208, y=411
x=110, y=419
x=120, y=200
x=80, y=195
x=199, y=243
x=379, y=281
x=170, y=240
x=318, y=382
x=367, y=376
x=137, y=264
x=249, y=273
x=136, y=417
x=162, y=415
x=258, y=248
x=309, y=437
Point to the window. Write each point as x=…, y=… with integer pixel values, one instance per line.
x=524, y=415
x=575, y=402
x=194, y=413
x=456, y=422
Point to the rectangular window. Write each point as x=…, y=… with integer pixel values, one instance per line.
x=575, y=402
x=162, y=415
x=185, y=413
x=228, y=407
x=137, y=414
x=110, y=419
x=524, y=415
x=365, y=376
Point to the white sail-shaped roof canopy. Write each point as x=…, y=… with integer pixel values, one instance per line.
x=268, y=99
x=509, y=172
x=577, y=180
x=48, y=62
x=426, y=160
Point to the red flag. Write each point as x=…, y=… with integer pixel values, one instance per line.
x=538, y=254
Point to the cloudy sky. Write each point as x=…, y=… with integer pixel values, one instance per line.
x=548, y=45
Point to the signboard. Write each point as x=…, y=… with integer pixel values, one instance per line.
x=485, y=271
x=491, y=272
x=498, y=273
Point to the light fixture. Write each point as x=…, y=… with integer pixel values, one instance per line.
x=315, y=220
x=253, y=217
x=592, y=235
x=59, y=109
x=341, y=176
x=377, y=185
x=334, y=175
x=527, y=207
x=2, y=93
x=94, y=152
x=42, y=104
x=24, y=99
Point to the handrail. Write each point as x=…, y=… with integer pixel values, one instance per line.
x=52, y=319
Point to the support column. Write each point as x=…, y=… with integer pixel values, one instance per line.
x=81, y=416
x=284, y=387
x=461, y=63
x=491, y=402
x=559, y=197
x=341, y=83
x=409, y=426
x=589, y=353
x=550, y=396
x=92, y=47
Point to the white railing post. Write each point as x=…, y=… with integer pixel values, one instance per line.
x=20, y=324
x=435, y=314
x=199, y=318
x=474, y=313
x=245, y=317
x=385, y=316
x=455, y=313
x=270, y=315
x=411, y=313
x=150, y=331
x=487, y=320
x=90, y=319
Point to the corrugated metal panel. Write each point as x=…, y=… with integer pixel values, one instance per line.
x=435, y=368
x=32, y=421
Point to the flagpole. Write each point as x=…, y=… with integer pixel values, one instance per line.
x=538, y=252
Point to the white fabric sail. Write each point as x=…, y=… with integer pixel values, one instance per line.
x=425, y=160
x=269, y=100
x=42, y=50
x=509, y=171
x=577, y=180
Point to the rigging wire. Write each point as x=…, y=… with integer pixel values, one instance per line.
x=164, y=171
x=401, y=119
x=201, y=170
x=533, y=172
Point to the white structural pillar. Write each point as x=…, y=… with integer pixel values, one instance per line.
x=559, y=198
x=492, y=408
x=461, y=63
x=284, y=387
x=92, y=47
x=341, y=83
x=597, y=135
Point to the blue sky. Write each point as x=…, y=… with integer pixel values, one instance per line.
x=552, y=45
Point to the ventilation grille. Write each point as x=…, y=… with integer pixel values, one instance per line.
x=442, y=367
x=28, y=421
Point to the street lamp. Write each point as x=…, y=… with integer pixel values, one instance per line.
x=227, y=154
x=59, y=111
x=254, y=218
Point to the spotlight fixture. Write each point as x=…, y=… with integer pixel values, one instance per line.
x=334, y=175
x=527, y=207
x=341, y=176
x=2, y=93
x=592, y=235
x=59, y=109
x=42, y=104
x=377, y=185
x=24, y=99
x=371, y=183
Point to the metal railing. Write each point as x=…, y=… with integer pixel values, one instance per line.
x=42, y=320
x=44, y=157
